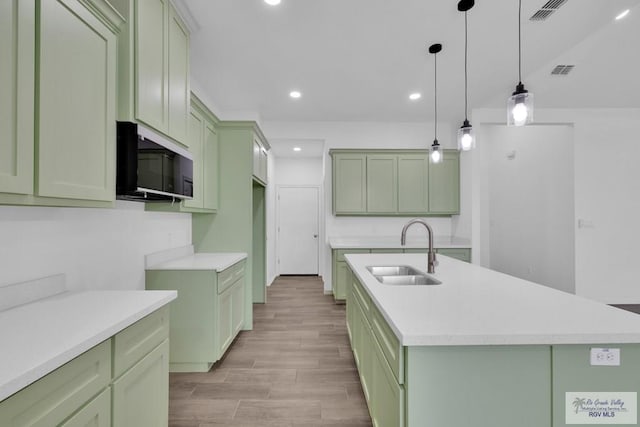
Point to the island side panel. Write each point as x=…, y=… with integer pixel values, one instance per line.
x=577, y=385
x=479, y=386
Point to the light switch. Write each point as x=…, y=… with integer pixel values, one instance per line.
x=605, y=357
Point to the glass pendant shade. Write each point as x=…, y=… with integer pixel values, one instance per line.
x=520, y=107
x=435, y=154
x=466, y=137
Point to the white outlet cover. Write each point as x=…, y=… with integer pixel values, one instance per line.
x=605, y=356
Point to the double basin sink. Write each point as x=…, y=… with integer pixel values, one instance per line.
x=401, y=275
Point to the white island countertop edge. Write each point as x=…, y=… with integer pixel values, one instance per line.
x=478, y=306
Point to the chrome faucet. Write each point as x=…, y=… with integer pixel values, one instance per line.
x=431, y=255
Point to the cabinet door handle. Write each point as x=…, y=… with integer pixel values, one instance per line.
x=315, y=236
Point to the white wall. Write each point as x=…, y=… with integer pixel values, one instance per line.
x=95, y=248
x=606, y=197
x=370, y=135
x=531, y=206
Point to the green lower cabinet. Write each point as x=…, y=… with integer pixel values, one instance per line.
x=96, y=413
x=341, y=276
x=462, y=254
x=123, y=381
x=206, y=316
x=141, y=395
x=577, y=386
x=387, y=399
x=488, y=386
x=479, y=386
x=62, y=392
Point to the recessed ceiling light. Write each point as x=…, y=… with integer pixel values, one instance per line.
x=415, y=96
x=272, y=2
x=295, y=94
x=622, y=15
x=297, y=149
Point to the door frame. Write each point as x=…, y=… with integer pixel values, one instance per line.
x=320, y=225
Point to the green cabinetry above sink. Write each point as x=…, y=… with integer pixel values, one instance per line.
x=395, y=183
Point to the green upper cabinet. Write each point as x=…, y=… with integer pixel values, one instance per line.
x=394, y=183
x=349, y=183
x=211, y=177
x=259, y=161
x=179, y=88
x=151, y=83
x=17, y=64
x=58, y=68
x=196, y=128
x=76, y=103
x=413, y=190
x=444, y=185
x=203, y=145
x=382, y=185
x=154, y=80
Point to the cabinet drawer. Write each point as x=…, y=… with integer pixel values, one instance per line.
x=340, y=253
x=96, y=413
x=229, y=276
x=361, y=296
x=134, y=342
x=51, y=399
x=389, y=343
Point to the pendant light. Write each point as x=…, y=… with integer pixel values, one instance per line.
x=435, y=154
x=466, y=136
x=520, y=104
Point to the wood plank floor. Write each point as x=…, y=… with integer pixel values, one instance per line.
x=295, y=369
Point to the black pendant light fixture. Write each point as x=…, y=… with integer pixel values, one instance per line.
x=520, y=104
x=466, y=136
x=435, y=155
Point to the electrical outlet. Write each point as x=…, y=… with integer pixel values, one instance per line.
x=605, y=357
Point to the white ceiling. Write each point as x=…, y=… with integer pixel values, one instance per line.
x=358, y=60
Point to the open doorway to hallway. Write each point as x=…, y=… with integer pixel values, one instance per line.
x=296, y=216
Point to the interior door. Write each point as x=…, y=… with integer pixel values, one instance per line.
x=298, y=230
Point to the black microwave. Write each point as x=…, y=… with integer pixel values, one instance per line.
x=150, y=167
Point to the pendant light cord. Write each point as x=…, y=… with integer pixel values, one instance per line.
x=520, y=41
x=435, y=95
x=466, y=107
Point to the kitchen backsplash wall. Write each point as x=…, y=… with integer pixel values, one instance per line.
x=95, y=248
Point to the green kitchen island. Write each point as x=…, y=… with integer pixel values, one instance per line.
x=484, y=349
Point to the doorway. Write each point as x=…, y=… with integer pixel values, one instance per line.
x=298, y=227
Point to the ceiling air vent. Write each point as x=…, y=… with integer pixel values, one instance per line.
x=546, y=10
x=562, y=70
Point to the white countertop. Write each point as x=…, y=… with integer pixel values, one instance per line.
x=393, y=242
x=201, y=261
x=478, y=306
x=43, y=335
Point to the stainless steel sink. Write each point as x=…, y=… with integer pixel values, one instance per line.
x=401, y=275
x=397, y=270
x=418, y=279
